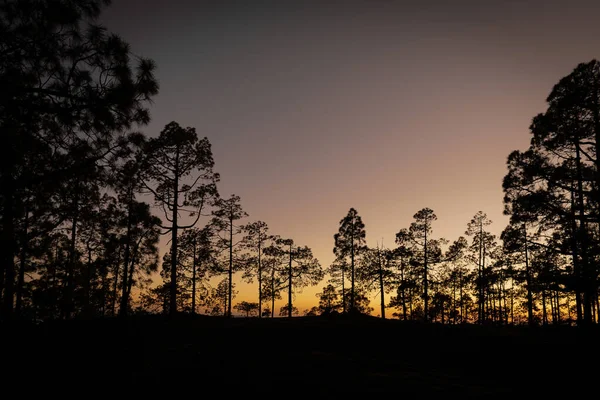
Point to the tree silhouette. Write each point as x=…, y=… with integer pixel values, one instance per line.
x=256, y=240
x=227, y=211
x=337, y=272
x=553, y=185
x=141, y=227
x=515, y=239
x=481, y=238
x=288, y=310
x=246, y=307
x=424, y=249
x=328, y=300
x=295, y=266
x=350, y=242
x=375, y=269
x=70, y=95
x=180, y=164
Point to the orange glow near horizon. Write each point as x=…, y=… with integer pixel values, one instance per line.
x=379, y=106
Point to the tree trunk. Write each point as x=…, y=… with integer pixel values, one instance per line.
x=403, y=289
x=230, y=266
x=352, y=308
x=512, y=303
x=343, y=293
x=480, y=274
x=126, y=257
x=131, y=272
x=454, y=313
x=114, y=296
x=484, y=312
x=587, y=279
x=528, y=281
x=544, y=310
x=174, y=227
x=87, y=283
x=290, y=285
x=425, y=282
x=575, y=258
x=194, y=277
x=558, y=316
x=259, y=278
x=22, y=261
x=381, y=285
x=70, y=300
x=273, y=292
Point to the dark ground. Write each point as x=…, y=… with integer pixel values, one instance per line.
x=317, y=355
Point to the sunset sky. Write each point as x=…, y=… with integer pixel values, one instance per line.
x=313, y=107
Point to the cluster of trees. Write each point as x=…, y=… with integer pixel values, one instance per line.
x=78, y=239
x=543, y=268
x=552, y=197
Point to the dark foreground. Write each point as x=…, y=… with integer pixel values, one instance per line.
x=315, y=355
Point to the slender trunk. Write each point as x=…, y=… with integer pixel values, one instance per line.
x=130, y=279
x=454, y=313
x=343, y=293
x=512, y=303
x=575, y=258
x=127, y=255
x=500, y=318
x=558, y=316
x=105, y=289
x=290, y=285
x=425, y=282
x=174, y=227
x=259, y=278
x=352, y=309
x=403, y=289
x=116, y=277
x=462, y=303
x=22, y=261
x=70, y=301
x=544, y=310
x=87, y=282
x=484, y=294
x=381, y=288
x=583, y=237
x=230, y=266
x=480, y=275
x=505, y=306
x=410, y=303
x=273, y=292
x=528, y=281
x=114, y=290
x=194, y=277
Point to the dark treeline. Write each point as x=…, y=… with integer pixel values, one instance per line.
x=544, y=266
x=78, y=237
x=85, y=198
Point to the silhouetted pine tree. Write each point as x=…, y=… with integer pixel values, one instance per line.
x=226, y=212
x=180, y=166
x=350, y=241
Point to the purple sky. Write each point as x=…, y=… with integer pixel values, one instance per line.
x=314, y=107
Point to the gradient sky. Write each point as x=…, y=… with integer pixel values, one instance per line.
x=313, y=107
